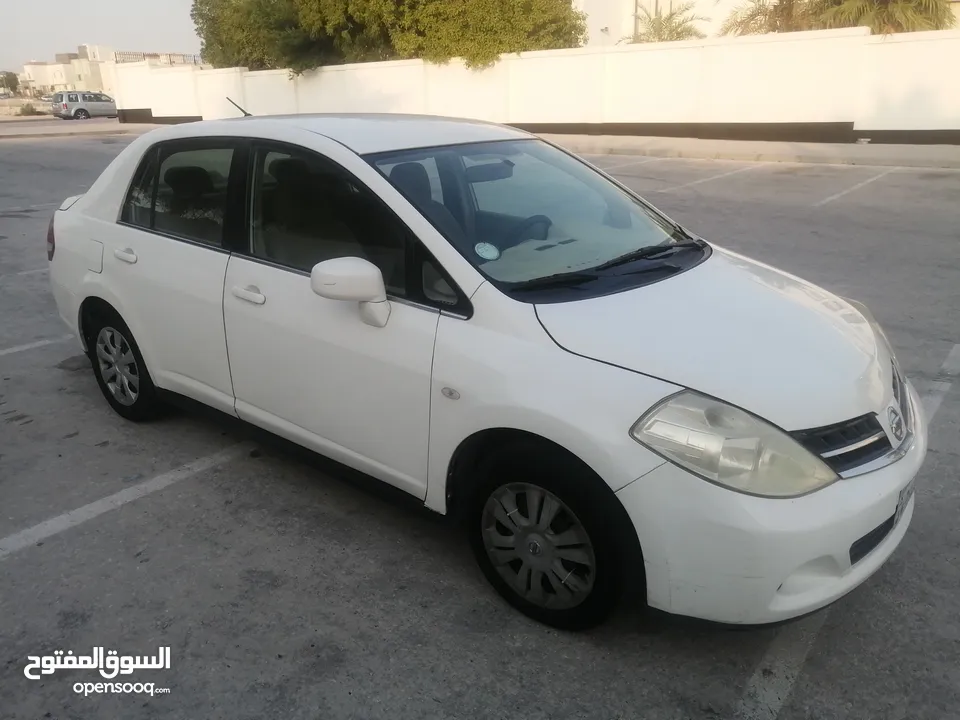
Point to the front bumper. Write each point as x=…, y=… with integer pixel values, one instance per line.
x=719, y=555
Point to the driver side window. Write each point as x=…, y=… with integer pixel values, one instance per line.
x=307, y=210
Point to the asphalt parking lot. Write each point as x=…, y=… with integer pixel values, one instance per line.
x=289, y=589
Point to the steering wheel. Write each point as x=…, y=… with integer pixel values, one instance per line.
x=520, y=232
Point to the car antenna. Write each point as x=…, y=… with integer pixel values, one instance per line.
x=245, y=113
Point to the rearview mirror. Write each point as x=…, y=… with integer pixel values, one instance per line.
x=353, y=279
x=487, y=172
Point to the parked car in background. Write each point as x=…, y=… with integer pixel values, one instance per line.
x=479, y=318
x=48, y=98
x=82, y=105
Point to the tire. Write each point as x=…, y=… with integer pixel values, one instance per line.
x=81, y=114
x=130, y=392
x=593, y=546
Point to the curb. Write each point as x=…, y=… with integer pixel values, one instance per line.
x=857, y=157
x=41, y=136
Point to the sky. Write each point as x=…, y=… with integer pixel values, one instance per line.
x=38, y=29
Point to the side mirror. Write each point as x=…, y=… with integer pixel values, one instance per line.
x=353, y=279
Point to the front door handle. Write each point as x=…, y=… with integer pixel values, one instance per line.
x=251, y=293
x=126, y=254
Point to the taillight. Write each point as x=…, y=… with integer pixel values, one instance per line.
x=51, y=240
x=64, y=106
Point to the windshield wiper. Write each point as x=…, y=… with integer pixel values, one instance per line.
x=649, y=252
x=567, y=279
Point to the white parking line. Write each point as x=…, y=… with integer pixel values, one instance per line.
x=31, y=536
x=855, y=187
x=711, y=178
x=951, y=366
x=772, y=682
x=34, y=345
x=620, y=166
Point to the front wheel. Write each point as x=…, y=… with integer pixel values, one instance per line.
x=543, y=536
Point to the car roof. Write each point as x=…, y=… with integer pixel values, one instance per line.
x=376, y=132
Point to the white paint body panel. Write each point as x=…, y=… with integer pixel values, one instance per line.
x=734, y=558
x=579, y=374
x=172, y=302
x=783, y=349
x=308, y=368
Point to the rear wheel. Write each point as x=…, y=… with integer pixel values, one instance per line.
x=81, y=114
x=119, y=368
x=545, y=538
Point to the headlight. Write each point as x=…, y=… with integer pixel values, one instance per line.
x=872, y=322
x=730, y=447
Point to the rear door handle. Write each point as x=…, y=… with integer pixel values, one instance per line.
x=251, y=293
x=127, y=255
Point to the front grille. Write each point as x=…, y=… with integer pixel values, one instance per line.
x=846, y=445
x=862, y=547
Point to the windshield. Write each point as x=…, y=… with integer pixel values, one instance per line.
x=531, y=217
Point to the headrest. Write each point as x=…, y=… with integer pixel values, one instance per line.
x=289, y=171
x=189, y=181
x=411, y=179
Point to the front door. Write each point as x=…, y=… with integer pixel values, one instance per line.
x=306, y=367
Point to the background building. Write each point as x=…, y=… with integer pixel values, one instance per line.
x=84, y=69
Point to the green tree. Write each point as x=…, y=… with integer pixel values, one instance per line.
x=479, y=31
x=676, y=24
x=258, y=34
x=9, y=80
x=303, y=34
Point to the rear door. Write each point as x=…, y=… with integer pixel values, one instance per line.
x=166, y=259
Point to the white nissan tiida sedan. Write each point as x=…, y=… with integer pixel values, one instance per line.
x=479, y=318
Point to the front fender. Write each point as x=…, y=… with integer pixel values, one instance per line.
x=526, y=382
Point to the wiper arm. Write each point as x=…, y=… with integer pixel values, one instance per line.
x=651, y=251
x=567, y=279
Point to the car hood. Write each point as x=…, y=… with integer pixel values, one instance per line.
x=743, y=332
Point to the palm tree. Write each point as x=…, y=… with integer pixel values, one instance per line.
x=881, y=16
x=676, y=24
x=885, y=16
x=756, y=17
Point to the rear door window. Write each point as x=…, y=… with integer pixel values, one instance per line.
x=182, y=192
x=72, y=97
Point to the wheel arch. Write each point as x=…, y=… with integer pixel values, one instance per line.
x=91, y=305
x=461, y=475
